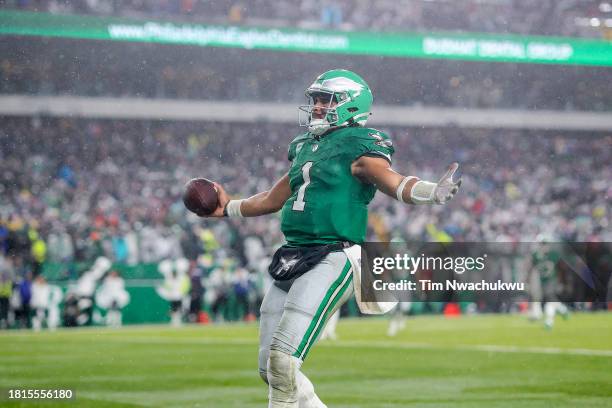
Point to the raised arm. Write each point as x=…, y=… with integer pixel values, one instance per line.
x=266, y=202
x=411, y=190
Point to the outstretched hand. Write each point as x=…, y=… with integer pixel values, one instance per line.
x=223, y=199
x=447, y=187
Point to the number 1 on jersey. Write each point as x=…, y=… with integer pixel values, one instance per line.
x=299, y=203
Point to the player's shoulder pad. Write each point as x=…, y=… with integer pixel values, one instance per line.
x=374, y=138
x=371, y=135
x=296, y=144
x=300, y=138
x=370, y=142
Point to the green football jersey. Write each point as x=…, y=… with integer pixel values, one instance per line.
x=545, y=262
x=327, y=204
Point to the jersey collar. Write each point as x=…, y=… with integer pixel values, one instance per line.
x=327, y=132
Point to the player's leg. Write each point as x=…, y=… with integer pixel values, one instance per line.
x=535, y=311
x=38, y=318
x=53, y=317
x=549, y=314
x=405, y=309
x=550, y=310
x=536, y=296
x=329, y=332
x=175, y=313
x=563, y=310
x=271, y=313
x=552, y=305
x=398, y=319
x=114, y=317
x=312, y=299
x=4, y=311
x=394, y=321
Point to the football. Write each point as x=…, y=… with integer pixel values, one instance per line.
x=200, y=196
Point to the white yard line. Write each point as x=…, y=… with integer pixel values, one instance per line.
x=376, y=344
x=475, y=347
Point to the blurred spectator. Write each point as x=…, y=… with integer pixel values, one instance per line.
x=71, y=310
x=219, y=288
x=245, y=295
x=84, y=291
x=39, y=301
x=543, y=17
x=3, y=238
x=22, y=297
x=196, y=292
x=175, y=288
x=235, y=15
x=331, y=15
x=38, y=252
x=53, y=307
x=112, y=297
x=6, y=290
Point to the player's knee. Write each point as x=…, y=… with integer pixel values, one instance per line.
x=281, y=374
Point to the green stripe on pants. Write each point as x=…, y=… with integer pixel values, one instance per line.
x=334, y=293
x=328, y=313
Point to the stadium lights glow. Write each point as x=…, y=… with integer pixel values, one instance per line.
x=595, y=22
x=605, y=7
x=608, y=22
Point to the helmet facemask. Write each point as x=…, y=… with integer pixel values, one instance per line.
x=319, y=118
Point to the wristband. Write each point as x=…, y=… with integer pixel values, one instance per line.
x=232, y=208
x=399, y=193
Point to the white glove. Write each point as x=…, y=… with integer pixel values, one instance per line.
x=426, y=192
x=446, y=188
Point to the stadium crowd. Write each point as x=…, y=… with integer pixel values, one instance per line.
x=73, y=190
x=68, y=67
x=544, y=17
x=85, y=186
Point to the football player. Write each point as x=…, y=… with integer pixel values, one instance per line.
x=543, y=265
x=336, y=167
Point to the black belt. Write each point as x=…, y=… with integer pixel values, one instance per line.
x=291, y=262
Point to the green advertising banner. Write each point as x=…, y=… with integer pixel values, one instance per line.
x=464, y=46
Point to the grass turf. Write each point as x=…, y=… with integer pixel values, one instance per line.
x=479, y=361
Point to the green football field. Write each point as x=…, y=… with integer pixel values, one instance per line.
x=478, y=361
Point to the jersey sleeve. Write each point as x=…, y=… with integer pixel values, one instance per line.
x=372, y=142
x=295, y=146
